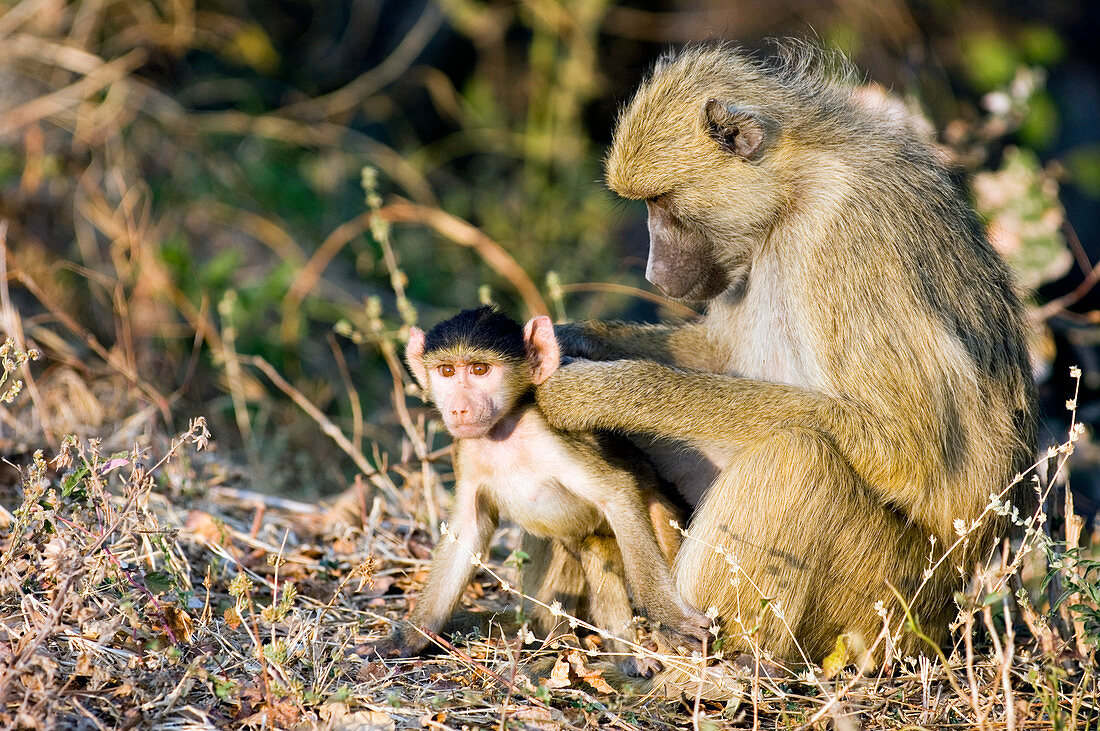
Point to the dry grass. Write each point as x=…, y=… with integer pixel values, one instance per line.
x=139, y=589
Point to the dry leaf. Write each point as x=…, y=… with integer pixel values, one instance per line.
x=571, y=667
x=179, y=622
x=340, y=720
x=588, y=674
x=203, y=527
x=84, y=665
x=540, y=718
x=837, y=659
x=559, y=675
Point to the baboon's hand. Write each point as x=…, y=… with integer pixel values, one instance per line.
x=688, y=627
x=398, y=644
x=572, y=341
x=644, y=666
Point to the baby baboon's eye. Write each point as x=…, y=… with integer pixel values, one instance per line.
x=446, y=370
x=480, y=369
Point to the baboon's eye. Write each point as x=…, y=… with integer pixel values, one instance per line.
x=480, y=369
x=446, y=370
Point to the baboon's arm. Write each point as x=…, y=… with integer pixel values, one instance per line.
x=685, y=345
x=724, y=414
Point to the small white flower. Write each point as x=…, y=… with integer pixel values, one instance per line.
x=960, y=526
x=555, y=608
x=997, y=102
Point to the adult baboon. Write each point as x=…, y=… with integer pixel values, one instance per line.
x=859, y=382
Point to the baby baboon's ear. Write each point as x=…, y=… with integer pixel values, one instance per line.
x=744, y=132
x=543, y=353
x=414, y=356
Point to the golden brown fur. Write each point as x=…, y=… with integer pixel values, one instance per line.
x=866, y=381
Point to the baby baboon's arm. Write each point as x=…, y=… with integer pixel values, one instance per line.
x=472, y=525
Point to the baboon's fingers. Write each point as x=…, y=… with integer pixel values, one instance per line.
x=394, y=646
x=691, y=628
x=644, y=666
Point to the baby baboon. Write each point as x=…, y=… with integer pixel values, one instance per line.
x=859, y=383
x=594, y=495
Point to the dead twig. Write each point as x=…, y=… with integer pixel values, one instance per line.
x=330, y=430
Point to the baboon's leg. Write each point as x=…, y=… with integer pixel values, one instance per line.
x=662, y=513
x=796, y=525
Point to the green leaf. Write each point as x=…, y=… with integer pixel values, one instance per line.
x=72, y=481
x=990, y=599
x=1083, y=164
x=1042, y=123
x=158, y=582
x=989, y=60
x=218, y=271
x=1042, y=45
x=225, y=689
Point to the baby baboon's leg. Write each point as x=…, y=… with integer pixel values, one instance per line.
x=551, y=574
x=609, y=602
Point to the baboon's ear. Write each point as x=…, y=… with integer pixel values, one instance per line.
x=746, y=133
x=543, y=354
x=414, y=356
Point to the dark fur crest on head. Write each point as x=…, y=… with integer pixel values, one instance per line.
x=482, y=328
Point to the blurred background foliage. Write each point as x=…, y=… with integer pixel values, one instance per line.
x=180, y=182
